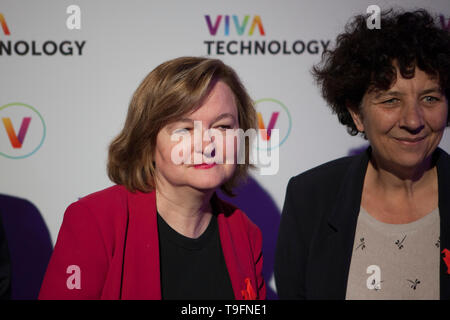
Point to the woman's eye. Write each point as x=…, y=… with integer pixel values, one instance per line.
x=224, y=126
x=182, y=130
x=391, y=101
x=431, y=99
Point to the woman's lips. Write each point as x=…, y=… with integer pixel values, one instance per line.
x=204, y=165
x=410, y=141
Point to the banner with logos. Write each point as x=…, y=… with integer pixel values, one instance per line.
x=69, y=69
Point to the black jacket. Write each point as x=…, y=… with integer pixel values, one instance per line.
x=318, y=224
x=5, y=267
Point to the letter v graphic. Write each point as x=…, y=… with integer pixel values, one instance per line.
x=273, y=119
x=213, y=29
x=240, y=28
x=16, y=141
x=4, y=25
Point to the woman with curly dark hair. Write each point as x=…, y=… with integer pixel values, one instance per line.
x=376, y=225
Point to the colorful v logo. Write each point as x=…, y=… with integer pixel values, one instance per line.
x=4, y=25
x=265, y=135
x=446, y=258
x=16, y=141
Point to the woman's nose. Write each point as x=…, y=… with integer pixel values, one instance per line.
x=203, y=140
x=412, y=117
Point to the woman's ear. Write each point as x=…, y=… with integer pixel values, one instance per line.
x=356, y=115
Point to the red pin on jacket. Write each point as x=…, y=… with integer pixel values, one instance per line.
x=248, y=293
x=446, y=258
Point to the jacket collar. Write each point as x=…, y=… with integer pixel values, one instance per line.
x=342, y=222
x=346, y=209
x=235, y=248
x=141, y=273
x=443, y=170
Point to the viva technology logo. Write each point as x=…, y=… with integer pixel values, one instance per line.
x=24, y=130
x=278, y=117
x=36, y=48
x=248, y=26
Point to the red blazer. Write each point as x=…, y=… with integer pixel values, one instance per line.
x=112, y=237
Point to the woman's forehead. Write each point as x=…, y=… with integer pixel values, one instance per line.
x=417, y=80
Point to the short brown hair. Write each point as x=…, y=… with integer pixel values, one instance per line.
x=172, y=90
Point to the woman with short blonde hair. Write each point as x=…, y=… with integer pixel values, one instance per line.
x=161, y=232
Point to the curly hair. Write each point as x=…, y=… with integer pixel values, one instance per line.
x=363, y=59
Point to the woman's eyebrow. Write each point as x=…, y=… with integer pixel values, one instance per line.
x=431, y=90
x=225, y=115
x=185, y=120
x=173, y=124
x=388, y=94
x=218, y=118
x=399, y=94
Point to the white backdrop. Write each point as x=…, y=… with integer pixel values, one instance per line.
x=83, y=99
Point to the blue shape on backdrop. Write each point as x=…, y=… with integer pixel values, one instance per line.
x=29, y=243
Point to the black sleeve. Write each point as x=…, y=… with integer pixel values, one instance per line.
x=5, y=267
x=291, y=249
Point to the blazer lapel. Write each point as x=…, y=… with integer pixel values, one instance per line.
x=235, y=250
x=141, y=273
x=443, y=170
x=342, y=227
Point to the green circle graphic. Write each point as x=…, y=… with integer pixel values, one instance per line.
x=43, y=124
x=289, y=117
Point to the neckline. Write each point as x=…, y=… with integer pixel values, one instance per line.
x=426, y=220
x=170, y=234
